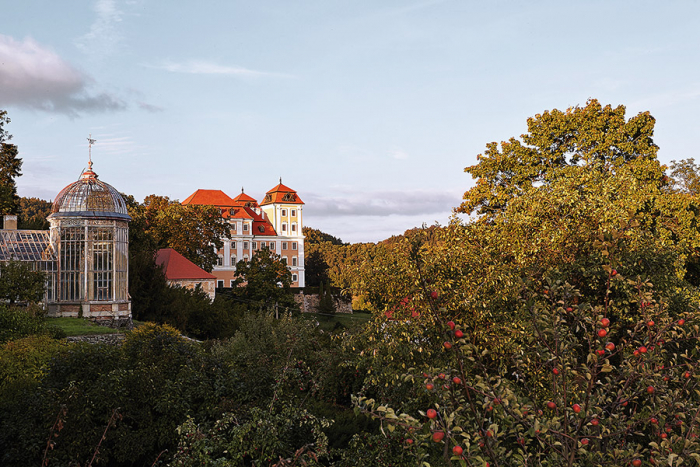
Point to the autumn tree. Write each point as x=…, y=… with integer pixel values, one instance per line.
x=33, y=213
x=264, y=281
x=194, y=231
x=10, y=168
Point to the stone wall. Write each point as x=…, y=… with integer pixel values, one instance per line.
x=308, y=303
x=109, y=339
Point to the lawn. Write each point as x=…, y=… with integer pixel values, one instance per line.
x=329, y=322
x=79, y=326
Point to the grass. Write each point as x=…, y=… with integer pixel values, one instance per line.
x=79, y=327
x=328, y=322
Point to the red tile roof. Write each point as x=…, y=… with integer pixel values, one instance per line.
x=210, y=198
x=245, y=200
x=176, y=266
x=282, y=194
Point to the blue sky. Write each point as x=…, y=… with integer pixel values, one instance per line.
x=369, y=109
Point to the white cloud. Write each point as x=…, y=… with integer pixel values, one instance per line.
x=399, y=154
x=103, y=36
x=199, y=67
x=35, y=77
x=380, y=203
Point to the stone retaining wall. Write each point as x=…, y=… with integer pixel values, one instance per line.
x=109, y=339
x=309, y=303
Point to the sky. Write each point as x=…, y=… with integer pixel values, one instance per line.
x=369, y=109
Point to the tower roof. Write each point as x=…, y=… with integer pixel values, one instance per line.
x=89, y=197
x=282, y=194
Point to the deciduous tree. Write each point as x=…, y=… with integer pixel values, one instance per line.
x=10, y=168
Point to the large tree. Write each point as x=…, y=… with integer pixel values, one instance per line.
x=264, y=281
x=10, y=168
x=194, y=231
x=591, y=137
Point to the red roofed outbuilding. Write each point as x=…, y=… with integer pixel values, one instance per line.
x=180, y=271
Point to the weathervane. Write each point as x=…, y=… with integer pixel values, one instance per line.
x=90, y=143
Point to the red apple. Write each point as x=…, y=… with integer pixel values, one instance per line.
x=681, y=322
x=650, y=389
x=600, y=352
x=431, y=413
x=434, y=295
x=451, y=324
x=610, y=346
x=643, y=349
x=441, y=376
x=613, y=273
x=569, y=309
x=437, y=436
x=650, y=323
x=457, y=450
x=595, y=422
x=409, y=441
x=686, y=375
x=551, y=405
x=555, y=371
x=585, y=441
x=456, y=380
x=602, y=333
x=637, y=463
x=605, y=322
x=459, y=334
x=448, y=345
x=577, y=408
x=489, y=433
x=430, y=386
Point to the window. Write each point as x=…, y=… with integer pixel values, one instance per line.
x=233, y=283
x=294, y=227
x=233, y=245
x=246, y=227
x=284, y=245
x=294, y=278
x=284, y=227
x=272, y=246
x=294, y=260
x=245, y=245
x=233, y=225
x=294, y=245
x=284, y=260
x=294, y=213
x=284, y=212
x=263, y=244
x=220, y=284
x=233, y=260
x=255, y=245
x=220, y=261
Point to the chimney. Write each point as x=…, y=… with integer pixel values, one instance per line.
x=10, y=222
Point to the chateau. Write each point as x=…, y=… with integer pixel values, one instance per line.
x=275, y=224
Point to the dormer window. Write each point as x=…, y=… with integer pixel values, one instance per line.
x=261, y=229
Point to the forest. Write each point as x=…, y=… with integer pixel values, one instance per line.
x=557, y=326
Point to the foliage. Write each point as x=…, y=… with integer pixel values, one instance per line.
x=32, y=213
x=289, y=436
x=686, y=176
x=19, y=282
x=315, y=268
x=263, y=282
x=194, y=231
x=10, y=168
x=18, y=322
x=315, y=237
x=591, y=137
x=25, y=360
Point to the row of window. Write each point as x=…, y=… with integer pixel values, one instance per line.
x=270, y=245
x=294, y=213
x=220, y=283
x=220, y=260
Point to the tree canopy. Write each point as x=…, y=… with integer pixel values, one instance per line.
x=10, y=168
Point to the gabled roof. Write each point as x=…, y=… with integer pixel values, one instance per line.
x=176, y=266
x=282, y=194
x=210, y=198
x=245, y=200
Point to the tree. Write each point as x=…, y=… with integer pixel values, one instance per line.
x=33, y=213
x=264, y=281
x=20, y=283
x=315, y=236
x=686, y=176
x=581, y=138
x=315, y=268
x=194, y=231
x=10, y=166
